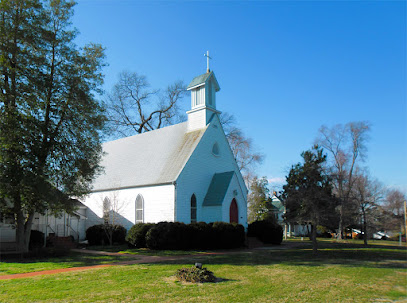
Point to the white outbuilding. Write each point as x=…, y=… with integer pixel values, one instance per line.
x=184, y=172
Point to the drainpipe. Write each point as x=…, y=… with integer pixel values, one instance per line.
x=46, y=228
x=175, y=200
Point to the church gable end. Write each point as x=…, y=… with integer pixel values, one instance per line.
x=185, y=172
x=213, y=175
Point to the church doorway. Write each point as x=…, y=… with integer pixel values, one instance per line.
x=233, y=212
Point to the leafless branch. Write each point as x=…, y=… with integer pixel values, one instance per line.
x=133, y=107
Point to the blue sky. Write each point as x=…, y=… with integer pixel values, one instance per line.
x=285, y=68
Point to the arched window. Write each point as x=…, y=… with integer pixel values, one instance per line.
x=234, y=212
x=106, y=209
x=193, y=208
x=139, y=209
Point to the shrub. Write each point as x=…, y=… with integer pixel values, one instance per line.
x=36, y=239
x=195, y=275
x=119, y=234
x=167, y=235
x=201, y=235
x=97, y=234
x=228, y=235
x=137, y=234
x=266, y=231
x=176, y=235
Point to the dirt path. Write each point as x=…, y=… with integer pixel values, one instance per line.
x=136, y=259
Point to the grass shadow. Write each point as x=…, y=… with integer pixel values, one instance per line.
x=328, y=254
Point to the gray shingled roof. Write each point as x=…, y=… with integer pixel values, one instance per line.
x=201, y=79
x=155, y=157
x=217, y=189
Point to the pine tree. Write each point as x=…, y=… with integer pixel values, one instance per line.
x=308, y=192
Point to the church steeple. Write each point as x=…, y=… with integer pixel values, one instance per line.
x=203, y=100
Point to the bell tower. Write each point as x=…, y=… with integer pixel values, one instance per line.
x=203, y=100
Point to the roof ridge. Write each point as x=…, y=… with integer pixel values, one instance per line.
x=149, y=132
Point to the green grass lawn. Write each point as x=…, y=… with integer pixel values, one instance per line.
x=340, y=273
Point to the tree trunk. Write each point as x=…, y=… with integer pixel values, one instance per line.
x=364, y=226
x=314, y=239
x=20, y=239
x=27, y=231
x=23, y=231
x=340, y=228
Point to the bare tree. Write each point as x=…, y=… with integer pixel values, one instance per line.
x=242, y=147
x=133, y=107
x=113, y=208
x=367, y=194
x=346, y=144
x=394, y=208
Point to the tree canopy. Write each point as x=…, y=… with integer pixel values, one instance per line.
x=50, y=120
x=258, y=200
x=308, y=192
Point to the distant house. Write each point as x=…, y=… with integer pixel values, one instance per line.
x=184, y=172
x=290, y=228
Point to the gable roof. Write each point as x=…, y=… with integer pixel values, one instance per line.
x=277, y=204
x=155, y=157
x=217, y=189
x=202, y=79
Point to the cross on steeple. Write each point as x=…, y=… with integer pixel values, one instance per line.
x=207, y=61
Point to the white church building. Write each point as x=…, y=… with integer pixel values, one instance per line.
x=184, y=172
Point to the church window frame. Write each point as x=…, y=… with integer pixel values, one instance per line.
x=139, y=209
x=194, y=209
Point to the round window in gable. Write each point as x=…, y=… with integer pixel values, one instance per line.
x=215, y=149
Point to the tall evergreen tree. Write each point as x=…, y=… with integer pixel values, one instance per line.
x=308, y=192
x=50, y=121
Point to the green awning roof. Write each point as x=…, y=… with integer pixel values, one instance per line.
x=217, y=189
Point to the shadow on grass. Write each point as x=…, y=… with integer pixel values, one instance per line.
x=72, y=258
x=347, y=255
x=217, y=280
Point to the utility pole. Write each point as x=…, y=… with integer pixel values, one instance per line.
x=405, y=218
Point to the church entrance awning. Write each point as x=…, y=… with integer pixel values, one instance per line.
x=218, y=188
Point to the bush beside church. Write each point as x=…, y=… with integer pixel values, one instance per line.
x=177, y=235
x=181, y=236
x=267, y=231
